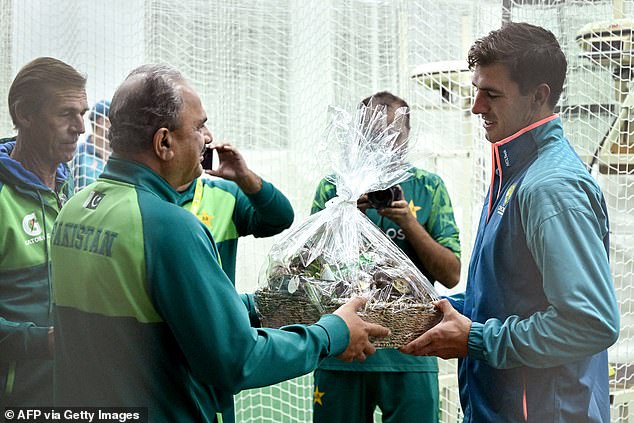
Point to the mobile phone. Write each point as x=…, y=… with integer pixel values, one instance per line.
x=210, y=159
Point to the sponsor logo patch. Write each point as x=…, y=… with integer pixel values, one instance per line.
x=30, y=225
x=507, y=198
x=507, y=161
x=509, y=192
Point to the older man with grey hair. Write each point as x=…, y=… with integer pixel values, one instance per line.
x=47, y=101
x=146, y=315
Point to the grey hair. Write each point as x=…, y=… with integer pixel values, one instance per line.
x=148, y=99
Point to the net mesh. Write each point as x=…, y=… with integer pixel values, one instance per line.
x=268, y=69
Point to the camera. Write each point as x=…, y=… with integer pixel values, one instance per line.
x=384, y=198
x=208, y=159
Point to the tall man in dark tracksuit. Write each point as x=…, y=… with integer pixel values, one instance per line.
x=47, y=101
x=146, y=317
x=539, y=312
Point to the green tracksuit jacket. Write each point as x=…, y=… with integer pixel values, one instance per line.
x=229, y=213
x=27, y=211
x=146, y=317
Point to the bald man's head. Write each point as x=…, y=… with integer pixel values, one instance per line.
x=150, y=98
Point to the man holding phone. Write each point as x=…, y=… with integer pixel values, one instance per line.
x=236, y=203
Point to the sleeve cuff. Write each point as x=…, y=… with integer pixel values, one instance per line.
x=475, y=342
x=456, y=302
x=338, y=334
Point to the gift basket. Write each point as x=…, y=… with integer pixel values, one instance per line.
x=338, y=253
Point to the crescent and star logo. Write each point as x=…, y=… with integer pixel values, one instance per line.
x=93, y=200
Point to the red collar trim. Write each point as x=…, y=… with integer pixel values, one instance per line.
x=524, y=130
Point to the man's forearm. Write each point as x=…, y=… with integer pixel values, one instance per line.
x=250, y=183
x=440, y=262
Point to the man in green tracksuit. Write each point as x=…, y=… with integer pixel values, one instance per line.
x=144, y=313
x=238, y=205
x=422, y=224
x=47, y=100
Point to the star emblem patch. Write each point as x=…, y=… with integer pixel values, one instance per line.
x=206, y=218
x=317, y=396
x=413, y=208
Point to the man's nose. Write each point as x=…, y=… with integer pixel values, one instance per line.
x=479, y=104
x=208, y=136
x=78, y=124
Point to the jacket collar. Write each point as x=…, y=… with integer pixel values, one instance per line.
x=188, y=193
x=512, y=152
x=510, y=155
x=139, y=175
x=14, y=173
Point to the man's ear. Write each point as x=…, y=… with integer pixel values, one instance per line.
x=163, y=144
x=541, y=95
x=24, y=119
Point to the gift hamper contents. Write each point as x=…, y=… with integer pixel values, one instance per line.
x=338, y=253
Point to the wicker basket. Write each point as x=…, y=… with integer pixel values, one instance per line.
x=279, y=308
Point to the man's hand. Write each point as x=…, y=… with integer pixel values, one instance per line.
x=441, y=263
x=359, y=346
x=233, y=167
x=400, y=213
x=448, y=339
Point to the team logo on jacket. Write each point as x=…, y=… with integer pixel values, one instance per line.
x=30, y=225
x=93, y=200
x=507, y=198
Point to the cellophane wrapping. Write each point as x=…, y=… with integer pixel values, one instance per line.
x=338, y=253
